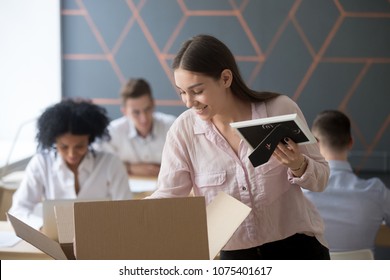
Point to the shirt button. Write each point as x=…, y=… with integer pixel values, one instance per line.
x=244, y=188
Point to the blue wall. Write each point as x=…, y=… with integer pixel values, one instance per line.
x=324, y=54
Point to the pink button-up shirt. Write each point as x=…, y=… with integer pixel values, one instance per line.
x=196, y=157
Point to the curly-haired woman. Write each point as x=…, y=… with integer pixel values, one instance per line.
x=65, y=166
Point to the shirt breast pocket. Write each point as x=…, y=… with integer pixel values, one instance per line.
x=271, y=181
x=205, y=180
x=269, y=167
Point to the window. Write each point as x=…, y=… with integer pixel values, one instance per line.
x=30, y=71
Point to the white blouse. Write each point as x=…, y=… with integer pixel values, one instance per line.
x=101, y=176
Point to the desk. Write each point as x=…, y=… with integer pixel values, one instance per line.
x=142, y=186
x=22, y=250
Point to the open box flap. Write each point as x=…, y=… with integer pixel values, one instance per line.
x=65, y=223
x=37, y=238
x=224, y=215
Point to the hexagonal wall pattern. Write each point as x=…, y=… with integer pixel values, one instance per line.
x=323, y=54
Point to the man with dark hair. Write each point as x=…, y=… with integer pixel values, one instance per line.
x=138, y=137
x=353, y=209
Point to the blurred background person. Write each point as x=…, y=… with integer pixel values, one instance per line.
x=138, y=137
x=65, y=166
x=353, y=208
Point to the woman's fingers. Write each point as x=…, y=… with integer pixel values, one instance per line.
x=288, y=154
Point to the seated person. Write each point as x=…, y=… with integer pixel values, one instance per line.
x=65, y=167
x=138, y=137
x=353, y=209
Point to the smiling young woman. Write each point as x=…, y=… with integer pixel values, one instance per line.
x=204, y=155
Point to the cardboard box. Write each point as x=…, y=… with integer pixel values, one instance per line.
x=50, y=223
x=150, y=229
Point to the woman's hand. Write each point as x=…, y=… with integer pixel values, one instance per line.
x=291, y=156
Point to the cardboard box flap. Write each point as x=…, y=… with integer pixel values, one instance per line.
x=65, y=227
x=224, y=215
x=36, y=238
x=49, y=218
x=169, y=228
x=65, y=223
x=67, y=248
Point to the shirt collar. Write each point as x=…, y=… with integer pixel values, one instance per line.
x=86, y=164
x=259, y=110
x=58, y=161
x=340, y=165
x=133, y=131
x=201, y=126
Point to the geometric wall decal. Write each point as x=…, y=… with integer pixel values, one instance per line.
x=323, y=54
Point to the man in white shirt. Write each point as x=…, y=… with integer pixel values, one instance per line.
x=138, y=137
x=353, y=208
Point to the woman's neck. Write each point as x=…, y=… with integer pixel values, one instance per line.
x=236, y=110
